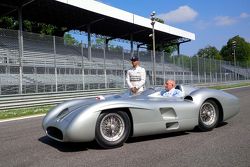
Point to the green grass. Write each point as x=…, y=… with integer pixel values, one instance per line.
x=14, y=113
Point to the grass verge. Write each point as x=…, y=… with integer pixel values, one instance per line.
x=20, y=112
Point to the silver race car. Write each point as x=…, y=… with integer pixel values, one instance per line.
x=111, y=119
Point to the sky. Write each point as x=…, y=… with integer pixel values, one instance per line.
x=213, y=22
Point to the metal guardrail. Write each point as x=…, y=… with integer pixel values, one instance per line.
x=21, y=101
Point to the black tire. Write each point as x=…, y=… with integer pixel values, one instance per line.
x=112, y=129
x=208, y=116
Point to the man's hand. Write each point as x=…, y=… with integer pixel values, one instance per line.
x=134, y=90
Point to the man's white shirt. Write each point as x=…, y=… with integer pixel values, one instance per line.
x=136, y=77
x=172, y=93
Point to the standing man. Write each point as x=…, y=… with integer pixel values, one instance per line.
x=136, y=76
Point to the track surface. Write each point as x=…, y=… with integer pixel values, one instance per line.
x=22, y=143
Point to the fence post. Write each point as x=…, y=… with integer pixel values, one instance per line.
x=191, y=70
x=183, y=71
x=215, y=67
x=104, y=65
x=89, y=43
x=198, y=66
x=35, y=72
x=0, y=87
x=204, y=69
x=153, y=68
x=164, y=70
x=83, y=82
x=238, y=73
x=55, y=66
x=20, y=37
x=123, y=69
x=174, y=65
x=221, y=77
x=210, y=68
x=247, y=71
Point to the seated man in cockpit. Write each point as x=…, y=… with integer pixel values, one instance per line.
x=170, y=90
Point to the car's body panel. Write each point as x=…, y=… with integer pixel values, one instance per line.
x=150, y=114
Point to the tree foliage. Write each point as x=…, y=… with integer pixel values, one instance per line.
x=7, y=23
x=166, y=47
x=242, y=50
x=209, y=52
x=31, y=26
x=69, y=40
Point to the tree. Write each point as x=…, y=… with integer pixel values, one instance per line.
x=99, y=42
x=166, y=47
x=159, y=20
x=242, y=50
x=8, y=23
x=209, y=52
x=27, y=25
x=69, y=40
x=116, y=48
x=31, y=26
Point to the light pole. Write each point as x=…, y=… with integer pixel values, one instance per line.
x=153, y=34
x=234, y=46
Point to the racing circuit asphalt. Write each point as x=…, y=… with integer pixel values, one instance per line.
x=24, y=144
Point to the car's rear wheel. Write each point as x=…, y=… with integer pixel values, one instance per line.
x=112, y=129
x=208, y=115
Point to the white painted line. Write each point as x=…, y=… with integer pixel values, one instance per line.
x=235, y=87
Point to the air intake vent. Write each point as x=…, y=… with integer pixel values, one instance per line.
x=172, y=125
x=168, y=113
x=54, y=132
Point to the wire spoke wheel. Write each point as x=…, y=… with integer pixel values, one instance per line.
x=112, y=127
x=208, y=115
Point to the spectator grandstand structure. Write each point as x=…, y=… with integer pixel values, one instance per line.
x=34, y=63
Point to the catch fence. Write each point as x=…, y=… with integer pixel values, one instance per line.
x=38, y=63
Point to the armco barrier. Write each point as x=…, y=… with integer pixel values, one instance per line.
x=21, y=101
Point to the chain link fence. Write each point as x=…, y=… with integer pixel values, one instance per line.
x=35, y=63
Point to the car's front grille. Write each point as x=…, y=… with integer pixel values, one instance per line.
x=55, y=133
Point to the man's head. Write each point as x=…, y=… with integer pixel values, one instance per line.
x=135, y=61
x=169, y=84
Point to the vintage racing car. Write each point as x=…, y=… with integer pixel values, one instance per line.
x=111, y=119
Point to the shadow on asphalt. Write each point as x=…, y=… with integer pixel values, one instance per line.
x=76, y=147
x=221, y=124
x=69, y=147
x=168, y=135
x=155, y=137
x=197, y=130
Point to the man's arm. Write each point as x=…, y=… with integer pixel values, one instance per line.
x=128, y=80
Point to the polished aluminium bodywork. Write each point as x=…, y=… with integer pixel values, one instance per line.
x=149, y=113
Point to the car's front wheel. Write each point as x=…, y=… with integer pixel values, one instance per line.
x=208, y=115
x=112, y=129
